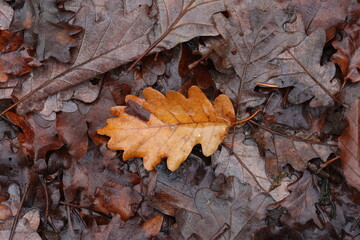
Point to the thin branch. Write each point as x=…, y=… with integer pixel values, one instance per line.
x=14, y=225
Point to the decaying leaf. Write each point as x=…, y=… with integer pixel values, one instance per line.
x=280, y=149
x=315, y=14
x=348, y=47
x=89, y=183
x=177, y=190
x=15, y=58
x=6, y=14
x=233, y=206
x=301, y=68
x=49, y=24
x=168, y=126
x=255, y=36
x=108, y=42
x=134, y=228
x=349, y=146
x=181, y=20
x=301, y=201
x=35, y=140
x=245, y=162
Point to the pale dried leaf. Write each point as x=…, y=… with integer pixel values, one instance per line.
x=234, y=206
x=255, y=36
x=182, y=20
x=109, y=42
x=6, y=14
x=301, y=68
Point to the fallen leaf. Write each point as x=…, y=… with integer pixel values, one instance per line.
x=181, y=20
x=6, y=14
x=198, y=75
x=177, y=190
x=301, y=68
x=89, y=183
x=232, y=206
x=134, y=228
x=49, y=24
x=348, y=47
x=245, y=162
x=174, y=125
x=35, y=140
x=15, y=58
x=280, y=149
x=88, y=119
x=304, y=194
x=229, y=83
x=297, y=231
x=316, y=14
x=349, y=145
x=255, y=37
x=294, y=116
x=117, y=38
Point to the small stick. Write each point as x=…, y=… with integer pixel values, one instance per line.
x=221, y=231
x=267, y=85
x=14, y=225
x=46, y=199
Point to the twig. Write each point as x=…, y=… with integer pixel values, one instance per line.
x=14, y=225
x=46, y=199
x=221, y=231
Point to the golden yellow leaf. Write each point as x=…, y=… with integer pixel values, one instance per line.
x=168, y=126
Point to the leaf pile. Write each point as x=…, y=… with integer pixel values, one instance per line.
x=179, y=119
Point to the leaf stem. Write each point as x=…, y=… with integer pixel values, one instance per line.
x=247, y=119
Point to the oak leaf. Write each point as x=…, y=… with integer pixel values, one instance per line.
x=168, y=126
x=95, y=54
x=349, y=145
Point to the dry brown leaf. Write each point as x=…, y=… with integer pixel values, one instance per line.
x=349, y=146
x=280, y=149
x=6, y=14
x=348, y=46
x=168, y=126
x=106, y=43
x=181, y=20
x=302, y=69
x=255, y=35
x=315, y=14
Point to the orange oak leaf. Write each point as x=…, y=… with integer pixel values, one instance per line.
x=169, y=126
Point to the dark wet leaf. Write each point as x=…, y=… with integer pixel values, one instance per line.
x=280, y=148
x=15, y=58
x=177, y=190
x=233, y=206
x=36, y=140
x=348, y=47
x=255, y=37
x=89, y=183
x=47, y=28
x=113, y=40
x=134, y=228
